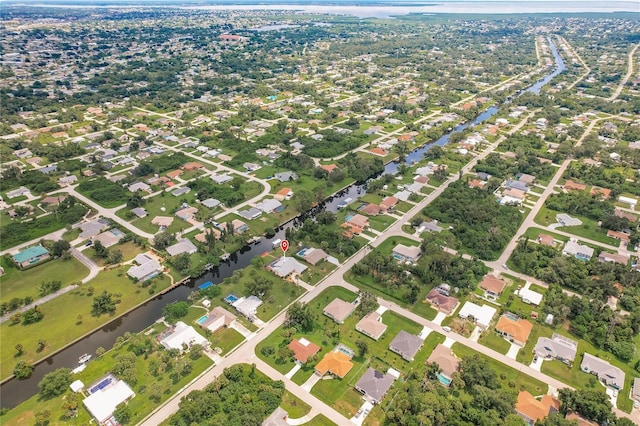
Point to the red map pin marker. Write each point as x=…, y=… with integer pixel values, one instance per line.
x=284, y=245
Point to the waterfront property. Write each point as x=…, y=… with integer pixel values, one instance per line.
x=148, y=267
x=216, y=319
x=104, y=396
x=180, y=336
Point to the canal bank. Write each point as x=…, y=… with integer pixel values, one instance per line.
x=14, y=391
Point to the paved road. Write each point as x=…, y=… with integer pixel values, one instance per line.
x=54, y=236
x=529, y=220
x=86, y=261
x=627, y=76
x=579, y=58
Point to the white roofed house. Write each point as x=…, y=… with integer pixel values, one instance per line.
x=182, y=246
x=481, y=315
x=147, y=268
x=182, y=335
x=104, y=396
x=405, y=253
x=577, y=250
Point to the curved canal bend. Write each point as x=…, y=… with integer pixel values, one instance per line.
x=13, y=392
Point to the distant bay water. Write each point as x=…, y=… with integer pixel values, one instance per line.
x=364, y=9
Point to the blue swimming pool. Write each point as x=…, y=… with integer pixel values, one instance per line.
x=445, y=381
x=205, y=285
x=231, y=298
x=348, y=218
x=202, y=319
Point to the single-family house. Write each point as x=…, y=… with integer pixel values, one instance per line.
x=283, y=194
x=269, y=205
x=531, y=410
x=405, y=253
x=53, y=200
x=446, y=360
x=163, y=222
x=442, y=302
x=286, y=176
x=557, y=347
x=546, y=240
x=216, y=319
x=239, y=226
x=148, y=267
x=339, y=310
x=285, y=266
x=247, y=306
x=566, y=220
x=139, y=186
x=388, y=203
x=336, y=363
x=93, y=227
x=359, y=221
x=481, y=315
x=67, y=180
x=303, y=349
x=104, y=396
x=492, y=286
x=608, y=374
x=620, y=259
x=371, y=209
x=577, y=250
x=635, y=390
x=221, y=179
x=314, y=255
x=622, y=236
x=187, y=213
x=30, y=256
x=17, y=192
x=211, y=203
x=431, y=226
x=140, y=212
x=515, y=330
x=109, y=237
x=183, y=245
x=516, y=184
x=618, y=212
x=406, y=345
x=182, y=335
x=180, y=191
x=526, y=178
x=529, y=296
x=250, y=213
x=371, y=325
x=374, y=385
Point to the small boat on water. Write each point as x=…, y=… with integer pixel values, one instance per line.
x=84, y=359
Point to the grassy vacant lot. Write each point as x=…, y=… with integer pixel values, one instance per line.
x=23, y=283
x=129, y=251
x=494, y=341
x=327, y=334
x=367, y=283
x=294, y=406
x=154, y=207
x=150, y=390
x=319, y=420
x=520, y=380
x=589, y=228
x=68, y=317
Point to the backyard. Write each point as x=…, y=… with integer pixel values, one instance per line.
x=59, y=329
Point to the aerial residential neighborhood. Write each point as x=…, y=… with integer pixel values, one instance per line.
x=301, y=214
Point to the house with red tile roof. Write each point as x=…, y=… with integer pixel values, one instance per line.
x=492, y=286
x=516, y=331
x=303, y=349
x=532, y=410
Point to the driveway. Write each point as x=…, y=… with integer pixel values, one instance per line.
x=537, y=364
x=439, y=318
x=448, y=342
x=364, y=411
x=311, y=382
x=426, y=331
x=293, y=371
x=513, y=351
x=475, y=334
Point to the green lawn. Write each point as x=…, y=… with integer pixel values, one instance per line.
x=589, y=228
x=534, y=232
x=151, y=391
x=225, y=339
x=494, y=341
x=59, y=329
x=520, y=380
x=129, y=251
x=367, y=283
x=338, y=392
x=294, y=406
x=320, y=420
x=22, y=283
x=154, y=207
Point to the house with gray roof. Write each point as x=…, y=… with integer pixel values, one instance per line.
x=635, y=391
x=516, y=184
x=181, y=191
x=406, y=253
x=577, y=250
x=557, y=347
x=406, y=345
x=250, y=214
x=220, y=179
x=140, y=212
x=147, y=268
x=285, y=266
x=139, y=186
x=269, y=205
x=93, y=228
x=182, y=246
x=374, y=385
x=211, y=203
x=431, y=226
x=608, y=374
x=286, y=176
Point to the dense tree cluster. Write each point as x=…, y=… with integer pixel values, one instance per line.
x=326, y=237
x=482, y=225
x=240, y=397
x=104, y=192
